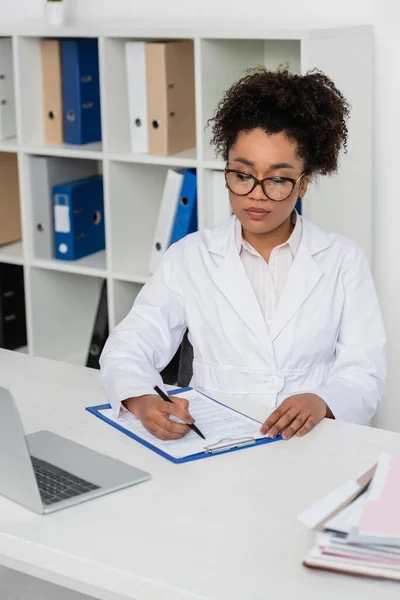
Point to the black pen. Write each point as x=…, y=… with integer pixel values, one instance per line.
x=168, y=399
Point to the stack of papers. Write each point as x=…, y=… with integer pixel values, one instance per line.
x=358, y=525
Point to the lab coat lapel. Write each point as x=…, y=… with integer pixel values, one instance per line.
x=232, y=280
x=303, y=277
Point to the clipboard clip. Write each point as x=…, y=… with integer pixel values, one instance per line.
x=229, y=444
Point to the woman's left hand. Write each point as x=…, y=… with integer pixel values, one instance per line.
x=297, y=414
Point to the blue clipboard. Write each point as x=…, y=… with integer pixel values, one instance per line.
x=223, y=448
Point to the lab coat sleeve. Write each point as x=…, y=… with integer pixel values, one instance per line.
x=356, y=382
x=147, y=339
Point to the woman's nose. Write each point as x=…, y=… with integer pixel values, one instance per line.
x=258, y=193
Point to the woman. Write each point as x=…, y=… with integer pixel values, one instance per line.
x=279, y=312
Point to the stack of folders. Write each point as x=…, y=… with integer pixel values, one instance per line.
x=7, y=98
x=178, y=212
x=78, y=218
x=71, y=91
x=47, y=172
x=359, y=524
x=160, y=81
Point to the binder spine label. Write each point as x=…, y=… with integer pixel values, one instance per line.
x=62, y=222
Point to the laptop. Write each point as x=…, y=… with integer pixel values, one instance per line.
x=46, y=472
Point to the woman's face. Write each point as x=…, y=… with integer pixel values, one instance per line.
x=265, y=155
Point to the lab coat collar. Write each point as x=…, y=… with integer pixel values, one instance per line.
x=293, y=242
x=220, y=238
x=231, y=278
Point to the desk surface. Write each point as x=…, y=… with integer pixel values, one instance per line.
x=224, y=528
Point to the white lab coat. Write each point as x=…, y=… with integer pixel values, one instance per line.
x=325, y=337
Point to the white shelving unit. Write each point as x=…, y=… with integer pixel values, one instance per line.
x=61, y=297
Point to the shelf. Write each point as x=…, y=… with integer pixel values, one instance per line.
x=131, y=277
x=10, y=145
x=78, y=359
x=186, y=159
x=93, y=265
x=199, y=28
x=87, y=151
x=12, y=253
x=218, y=207
x=64, y=307
x=124, y=296
x=216, y=165
x=135, y=197
x=22, y=350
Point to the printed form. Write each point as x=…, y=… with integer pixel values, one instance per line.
x=217, y=422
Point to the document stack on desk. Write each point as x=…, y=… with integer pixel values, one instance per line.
x=359, y=524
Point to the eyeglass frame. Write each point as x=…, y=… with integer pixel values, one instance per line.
x=260, y=182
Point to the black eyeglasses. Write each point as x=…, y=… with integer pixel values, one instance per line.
x=275, y=188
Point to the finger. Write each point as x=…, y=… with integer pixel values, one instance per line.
x=164, y=422
x=181, y=402
x=283, y=422
x=273, y=418
x=178, y=411
x=308, y=425
x=161, y=433
x=295, y=425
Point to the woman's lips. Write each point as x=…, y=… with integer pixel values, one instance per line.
x=257, y=213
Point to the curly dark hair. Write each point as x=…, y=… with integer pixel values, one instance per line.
x=308, y=108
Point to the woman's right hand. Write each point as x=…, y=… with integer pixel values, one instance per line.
x=154, y=413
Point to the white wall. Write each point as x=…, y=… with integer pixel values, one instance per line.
x=354, y=11
x=385, y=16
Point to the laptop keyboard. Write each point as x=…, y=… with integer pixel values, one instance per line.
x=56, y=485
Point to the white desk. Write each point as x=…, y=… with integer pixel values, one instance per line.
x=224, y=528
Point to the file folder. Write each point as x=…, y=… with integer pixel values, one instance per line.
x=7, y=94
x=10, y=215
x=170, y=97
x=12, y=307
x=166, y=216
x=135, y=57
x=100, y=330
x=52, y=92
x=45, y=173
x=208, y=413
x=81, y=91
x=185, y=221
x=78, y=218
x=298, y=206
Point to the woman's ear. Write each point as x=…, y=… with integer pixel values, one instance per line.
x=304, y=185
